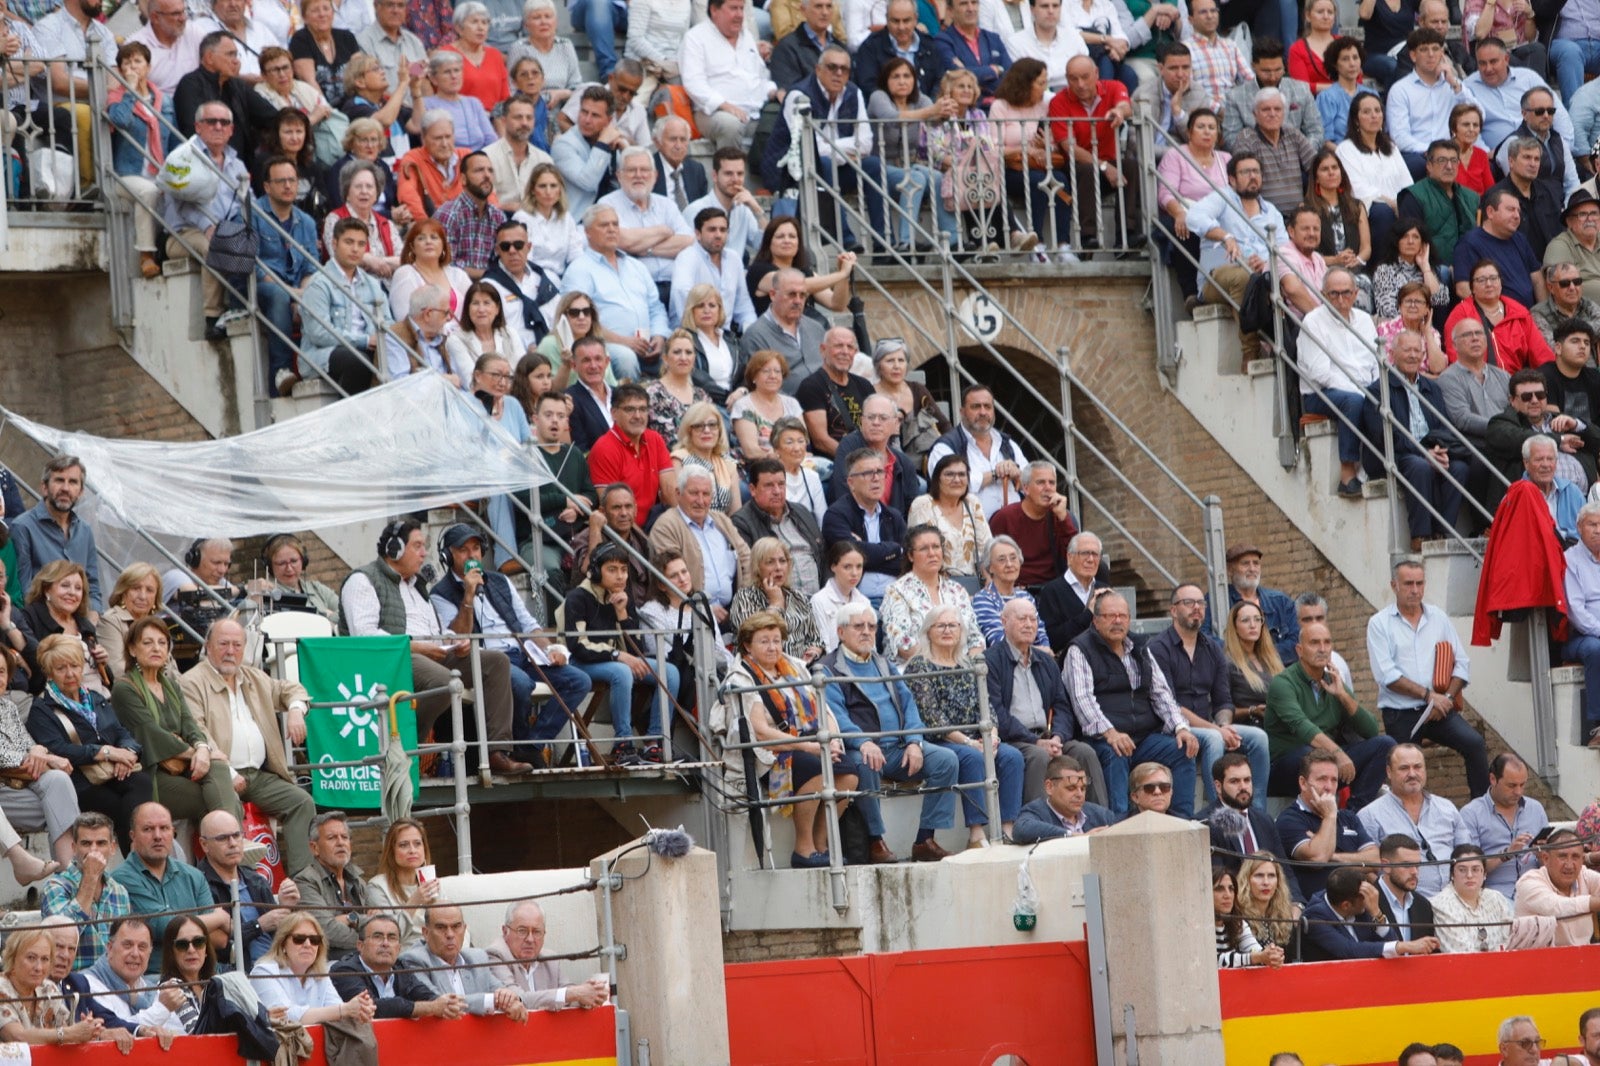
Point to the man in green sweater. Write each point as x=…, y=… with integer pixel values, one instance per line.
x=1309, y=707
x=1449, y=208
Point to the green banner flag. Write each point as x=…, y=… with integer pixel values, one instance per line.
x=354, y=669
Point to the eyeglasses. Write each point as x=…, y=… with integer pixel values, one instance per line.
x=196, y=943
x=1568, y=283
x=513, y=246
x=1541, y=112
x=866, y=473
x=523, y=932
x=314, y=939
x=704, y=425
x=634, y=409
x=1528, y=397
x=1189, y=601
x=215, y=122
x=1156, y=788
x=1536, y=1043
x=1446, y=161
x=835, y=68
x=1486, y=278
x=574, y=312
x=1339, y=294
x=501, y=376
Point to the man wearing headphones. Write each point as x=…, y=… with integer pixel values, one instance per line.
x=209, y=559
x=387, y=596
x=470, y=599
x=604, y=623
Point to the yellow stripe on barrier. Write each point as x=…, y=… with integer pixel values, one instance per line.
x=1375, y=1035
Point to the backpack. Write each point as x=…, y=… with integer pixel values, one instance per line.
x=673, y=100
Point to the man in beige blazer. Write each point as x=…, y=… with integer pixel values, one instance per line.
x=517, y=953
x=694, y=526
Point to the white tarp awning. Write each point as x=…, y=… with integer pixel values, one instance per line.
x=407, y=446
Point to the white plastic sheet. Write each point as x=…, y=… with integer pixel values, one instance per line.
x=412, y=444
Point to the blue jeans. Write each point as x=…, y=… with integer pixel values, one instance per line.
x=847, y=182
x=939, y=769
x=1586, y=650
x=913, y=183
x=620, y=698
x=1371, y=757
x=624, y=362
x=1350, y=404
x=597, y=18
x=278, y=308
x=1041, y=207
x=1156, y=747
x=1429, y=484
x=569, y=685
x=1007, y=770
x=1572, y=60
x=1252, y=744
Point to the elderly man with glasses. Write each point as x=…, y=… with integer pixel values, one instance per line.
x=1338, y=360
x=1579, y=243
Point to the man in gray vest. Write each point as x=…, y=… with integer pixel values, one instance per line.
x=387, y=596
x=1125, y=706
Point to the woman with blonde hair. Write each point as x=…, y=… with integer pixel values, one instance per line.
x=136, y=594
x=292, y=977
x=399, y=887
x=555, y=238
x=703, y=441
x=31, y=1008
x=675, y=391
x=771, y=564
x=1253, y=661
x=41, y=795
x=1263, y=903
x=718, y=362
x=57, y=602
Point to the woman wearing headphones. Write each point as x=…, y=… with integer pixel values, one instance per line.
x=285, y=559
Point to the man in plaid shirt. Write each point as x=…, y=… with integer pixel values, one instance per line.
x=470, y=219
x=1217, y=63
x=83, y=893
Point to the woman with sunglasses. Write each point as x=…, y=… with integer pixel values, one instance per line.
x=582, y=318
x=188, y=962
x=292, y=978
x=1514, y=338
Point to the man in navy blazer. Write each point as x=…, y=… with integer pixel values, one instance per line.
x=899, y=35
x=1064, y=810
x=846, y=518
x=671, y=158
x=988, y=61
x=372, y=970
x=1041, y=732
x=591, y=396
x=1237, y=826
x=1345, y=921
x=1442, y=449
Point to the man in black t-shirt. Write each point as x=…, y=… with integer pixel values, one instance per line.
x=831, y=398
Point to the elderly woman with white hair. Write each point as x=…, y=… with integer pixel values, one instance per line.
x=1001, y=559
x=447, y=74
x=556, y=55
x=947, y=695
x=484, y=74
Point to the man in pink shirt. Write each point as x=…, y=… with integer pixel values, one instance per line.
x=1562, y=888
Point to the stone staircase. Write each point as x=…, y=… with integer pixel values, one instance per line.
x=1237, y=409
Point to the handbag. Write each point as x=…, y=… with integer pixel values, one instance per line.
x=15, y=777
x=96, y=773
x=1255, y=309
x=327, y=139
x=976, y=176
x=235, y=245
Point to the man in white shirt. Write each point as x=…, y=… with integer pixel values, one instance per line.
x=1338, y=346
x=1043, y=37
x=746, y=220
x=457, y=970
x=653, y=230
x=513, y=156
x=174, y=43
x=253, y=36
x=708, y=261
x=1418, y=111
x=725, y=76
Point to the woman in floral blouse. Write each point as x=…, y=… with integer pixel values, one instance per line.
x=924, y=587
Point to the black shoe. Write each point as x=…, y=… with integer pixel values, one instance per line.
x=1350, y=490
x=215, y=332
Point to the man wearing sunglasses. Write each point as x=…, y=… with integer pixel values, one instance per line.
x=1556, y=167
x=1530, y=414
x=528, y=293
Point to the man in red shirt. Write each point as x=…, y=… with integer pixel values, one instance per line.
x=1103, y=171
x=633, y=453
x=1040, y=524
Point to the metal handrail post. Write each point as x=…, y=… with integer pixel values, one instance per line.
x=458, y=750
x=1074, y=497
x=838, y=889
x=1216, y=556
x=989, y=736
x=479, y=715
x=1390, y=471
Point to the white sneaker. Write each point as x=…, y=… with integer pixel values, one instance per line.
x=231, y=316
x=286, y=381
x=1064, y=255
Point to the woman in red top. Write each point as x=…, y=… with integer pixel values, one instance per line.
x=1514, y=339
x=483, y=72
x=1305, y=55
x=1466, y=123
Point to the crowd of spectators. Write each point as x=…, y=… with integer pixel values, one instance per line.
x=1518, y=1041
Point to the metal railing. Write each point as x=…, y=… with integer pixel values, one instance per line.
x=53, y=133
x=1202, y=546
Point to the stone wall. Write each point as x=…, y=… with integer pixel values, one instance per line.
x=775, y=945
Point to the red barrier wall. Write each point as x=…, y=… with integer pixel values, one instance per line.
x=931, y=1008
x=567, y=1038
x=1363, y=1013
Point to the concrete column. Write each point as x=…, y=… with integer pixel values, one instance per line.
x=666, y=915
x=1155, y=883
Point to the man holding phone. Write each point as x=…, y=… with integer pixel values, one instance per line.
x=1505, y=823
x=398, y=51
